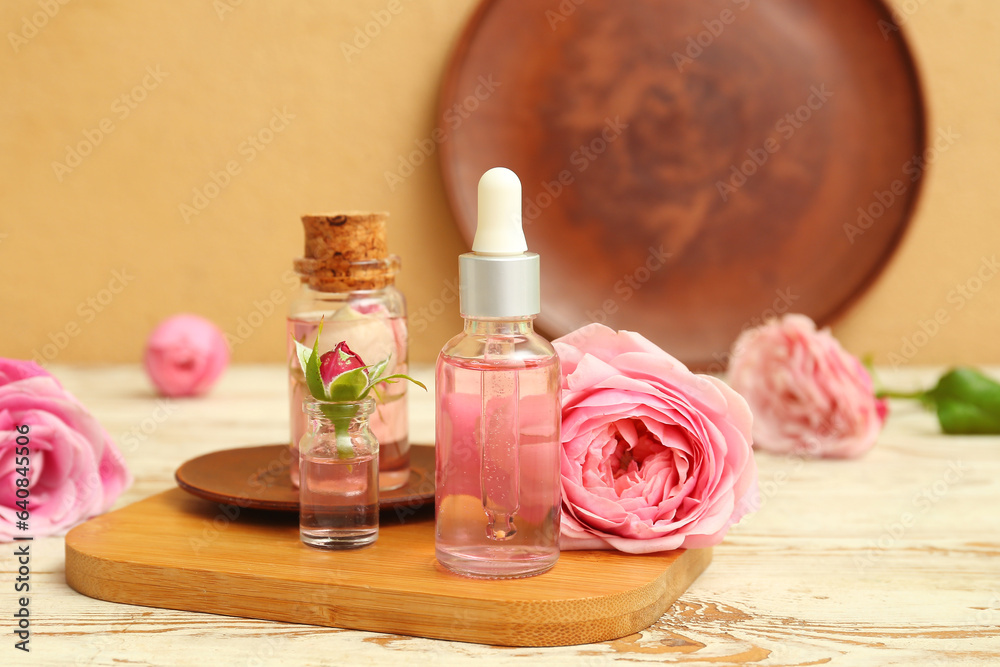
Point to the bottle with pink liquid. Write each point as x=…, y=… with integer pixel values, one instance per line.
x=348, y=283
x=498, y=411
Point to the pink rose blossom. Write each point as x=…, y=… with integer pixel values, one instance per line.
x=654, y=457
x=74, y=469
x=185, y=355
x=808, y=395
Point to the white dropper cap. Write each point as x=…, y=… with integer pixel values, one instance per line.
x=498, y=230
x=499, y=278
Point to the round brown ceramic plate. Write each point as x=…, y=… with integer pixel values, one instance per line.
x=257, y=477
x=691, y=167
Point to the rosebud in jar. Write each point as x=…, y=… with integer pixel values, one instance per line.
x=338, y=361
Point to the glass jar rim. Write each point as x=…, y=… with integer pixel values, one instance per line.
x=313, y=406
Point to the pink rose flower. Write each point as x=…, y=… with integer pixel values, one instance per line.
x=74, y=469
x=654, y=457
x=185, y=355
x=808, y=395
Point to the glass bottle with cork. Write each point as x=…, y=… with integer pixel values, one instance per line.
x=348, y=283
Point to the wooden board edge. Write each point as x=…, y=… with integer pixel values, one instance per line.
x=109, y=580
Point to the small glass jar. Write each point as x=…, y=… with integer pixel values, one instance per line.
x=338, y=473
x=348, y=283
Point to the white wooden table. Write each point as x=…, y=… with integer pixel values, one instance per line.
x=893, y=559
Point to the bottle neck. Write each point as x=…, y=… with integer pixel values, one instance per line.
x=333, y=275
x=489, y=326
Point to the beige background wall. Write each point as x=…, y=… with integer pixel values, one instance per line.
x=93, y=254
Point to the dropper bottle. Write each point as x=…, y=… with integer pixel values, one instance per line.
x=498, y=411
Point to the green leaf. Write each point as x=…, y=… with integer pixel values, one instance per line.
x=376, y=369
x=389, y=378
x=349, y=386
x=329, y=390
x=303, y=353
x=959, y=418
x=313, y=379
x=967, y=402
x=968, y=384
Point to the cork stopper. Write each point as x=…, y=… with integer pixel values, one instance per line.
x=346, y=252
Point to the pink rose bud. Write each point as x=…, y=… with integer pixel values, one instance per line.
x=337, y=361
x=73, y=468
x=185, y=355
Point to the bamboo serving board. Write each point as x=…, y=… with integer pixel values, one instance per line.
x=176, y=551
